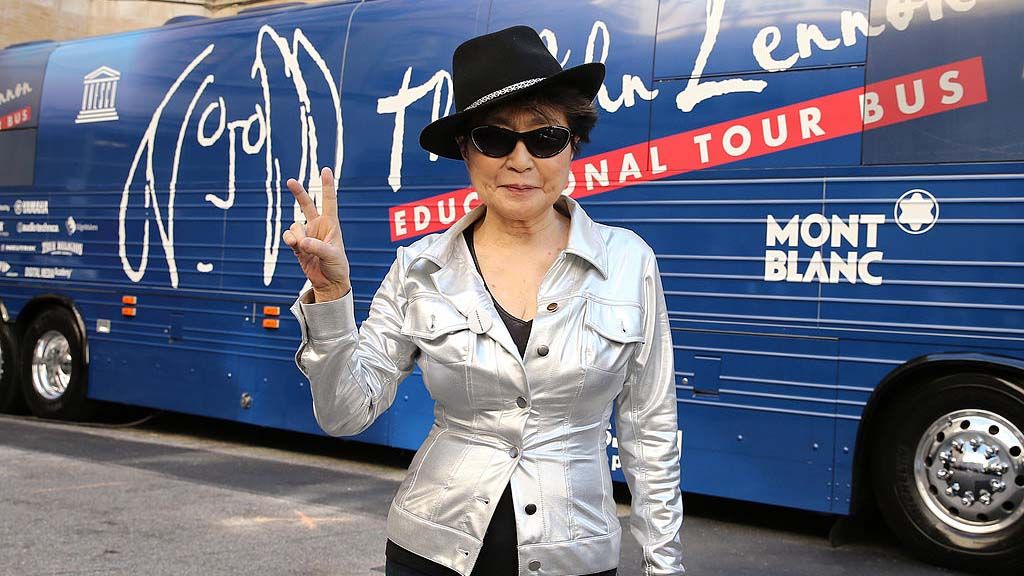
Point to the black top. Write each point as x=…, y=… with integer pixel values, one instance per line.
x=498, y=556
x=517, y=327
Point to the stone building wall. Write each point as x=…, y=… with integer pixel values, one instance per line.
x=27, y=20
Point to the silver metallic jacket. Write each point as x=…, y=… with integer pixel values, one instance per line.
x=600, y=336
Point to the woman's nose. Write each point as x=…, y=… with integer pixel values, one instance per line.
x=519, y=159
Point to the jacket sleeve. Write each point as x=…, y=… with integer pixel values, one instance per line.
x=354, y=373
x=646, y=425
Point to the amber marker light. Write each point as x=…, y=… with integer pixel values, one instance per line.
x=271, y=323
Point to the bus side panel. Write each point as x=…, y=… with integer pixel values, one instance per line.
x=397, y=66
x=169, y=184
x=942, y=260
x=772, y=411
x=182, y=375
x=764, y=403
x=760, y=424
x=746, y=36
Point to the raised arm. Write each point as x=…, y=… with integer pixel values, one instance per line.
x=353, y=373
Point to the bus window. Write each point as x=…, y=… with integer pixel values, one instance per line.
x=712, y=38
x=983, y=42
x=21, y=83
x=18, y=150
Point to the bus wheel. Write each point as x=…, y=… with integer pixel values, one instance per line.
x=10, y=394
x=948, y=471
x=53, y=370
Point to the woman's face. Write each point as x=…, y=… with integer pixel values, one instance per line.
x=519, y=186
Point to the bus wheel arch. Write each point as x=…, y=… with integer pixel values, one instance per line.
x=53, y=359
x=938, y=392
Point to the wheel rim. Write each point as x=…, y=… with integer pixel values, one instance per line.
x=969, y=471
x=51, y=365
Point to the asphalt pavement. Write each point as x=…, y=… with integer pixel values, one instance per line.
x=182, y=495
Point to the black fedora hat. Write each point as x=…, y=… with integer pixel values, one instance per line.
x=495, y=67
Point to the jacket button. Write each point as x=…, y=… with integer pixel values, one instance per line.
x=553, y=306
x=531, y=508
x=534, y=565
x=542, y=350
x=521, y=402
x=513, y=452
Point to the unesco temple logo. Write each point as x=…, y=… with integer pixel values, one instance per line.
x=98, y=96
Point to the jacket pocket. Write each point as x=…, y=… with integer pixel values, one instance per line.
x=440, y=331
x=612, y=332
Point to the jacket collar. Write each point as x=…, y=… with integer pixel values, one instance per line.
x=457, y=281
x=585, y=240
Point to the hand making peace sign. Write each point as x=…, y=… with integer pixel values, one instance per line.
x=318, y=245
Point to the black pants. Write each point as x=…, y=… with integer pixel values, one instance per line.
x=396, y=569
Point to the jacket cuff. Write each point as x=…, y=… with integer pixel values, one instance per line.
x=326, y=320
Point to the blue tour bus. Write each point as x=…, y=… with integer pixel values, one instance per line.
x=833, y=189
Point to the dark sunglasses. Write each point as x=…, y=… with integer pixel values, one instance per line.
x=496, y=142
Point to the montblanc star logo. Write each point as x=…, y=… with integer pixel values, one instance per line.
x=916, y=211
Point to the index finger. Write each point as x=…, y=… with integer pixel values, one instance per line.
x=305, y=202
x=330, y=193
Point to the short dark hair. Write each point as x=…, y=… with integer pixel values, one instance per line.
x=578, y=109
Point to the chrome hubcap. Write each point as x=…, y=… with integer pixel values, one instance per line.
x=969, y=471
x=51, y=365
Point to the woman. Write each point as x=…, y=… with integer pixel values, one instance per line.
x=528, y=321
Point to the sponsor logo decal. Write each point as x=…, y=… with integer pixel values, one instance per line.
x=853, y=241
x=62, y=247
x=17, y=247
x=916, y=211
x=29, y=207
x=99, y=92
x=47, y=273
x=72, y=226
x=814, y=231
x=26, y=227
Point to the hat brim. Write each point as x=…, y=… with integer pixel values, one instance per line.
x=438, y=137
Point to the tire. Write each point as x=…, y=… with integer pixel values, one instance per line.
x=10, y=390
x=53, y=370
x=934, y=463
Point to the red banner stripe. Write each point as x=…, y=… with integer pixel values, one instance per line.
x=900, y=99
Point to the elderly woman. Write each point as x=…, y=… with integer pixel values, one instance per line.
x=529, y=321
